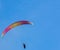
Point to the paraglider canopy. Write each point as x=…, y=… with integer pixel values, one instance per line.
x=15, y=24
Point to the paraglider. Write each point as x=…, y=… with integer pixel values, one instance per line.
x=13, y=25
x=24, y=45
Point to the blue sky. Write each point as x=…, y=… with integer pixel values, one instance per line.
x=43, y=35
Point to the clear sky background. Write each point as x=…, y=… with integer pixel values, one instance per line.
x=43, y=35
